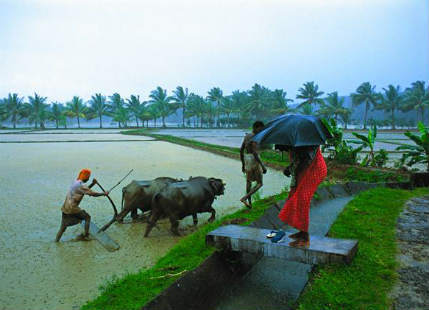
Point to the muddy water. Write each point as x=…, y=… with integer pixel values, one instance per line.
x=37, y=273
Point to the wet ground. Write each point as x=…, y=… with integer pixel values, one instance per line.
x=37, y=273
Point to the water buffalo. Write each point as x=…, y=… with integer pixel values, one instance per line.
x=139, y=195
x=180, y=199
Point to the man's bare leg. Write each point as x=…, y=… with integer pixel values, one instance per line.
x=250, y=193
x=60, y=232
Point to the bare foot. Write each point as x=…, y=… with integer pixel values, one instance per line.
x=246, y=203
x=83, y=237
x=300, y=243
x=298, y=235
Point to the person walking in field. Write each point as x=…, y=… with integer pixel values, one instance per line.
x=252, y=165
x=71, y=213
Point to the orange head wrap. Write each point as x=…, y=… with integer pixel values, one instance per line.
x=84, y=174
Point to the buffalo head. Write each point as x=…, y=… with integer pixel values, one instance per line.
x=217, y=185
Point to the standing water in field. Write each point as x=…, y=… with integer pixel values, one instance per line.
x=38, y=273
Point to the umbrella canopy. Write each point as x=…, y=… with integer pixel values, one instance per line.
x=294, y=130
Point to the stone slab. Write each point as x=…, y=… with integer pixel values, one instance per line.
x=322, y=250
x=102, y=237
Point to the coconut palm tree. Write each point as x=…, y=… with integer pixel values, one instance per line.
x=76, y=108
x=13, y=108
x=391, y=101
x=310, y=94
x=227, y=107
x=160, y=98
x=240, y=101
x=416, y=97
x=57, y=113
x=144, y=113
x=116, y=103
x=258, y=101
x=98, y=107
x=154, y=111
x=279, y=102
x=196, y=107
x=134, y=106
x=365, y=93
x=181, y=97
x=216, y=95
x=122, y=116
x=333, y=106
x=307, y=109
x=37, y=110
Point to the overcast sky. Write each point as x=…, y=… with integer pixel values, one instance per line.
x=62, y=48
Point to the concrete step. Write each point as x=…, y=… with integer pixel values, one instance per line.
x=322, y=250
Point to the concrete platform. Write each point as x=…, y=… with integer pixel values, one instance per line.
x=101, y=237
x=322, y=250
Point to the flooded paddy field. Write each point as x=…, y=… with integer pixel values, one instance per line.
x=37, y=273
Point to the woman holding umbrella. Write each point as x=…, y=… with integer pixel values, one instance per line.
x=301, y=135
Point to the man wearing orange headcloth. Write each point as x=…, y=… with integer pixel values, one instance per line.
x=72, y=214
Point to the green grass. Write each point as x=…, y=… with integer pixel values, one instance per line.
x=135, y=290
x=375, y=176
x=364, y=285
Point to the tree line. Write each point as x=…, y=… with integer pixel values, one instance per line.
x=216, y=109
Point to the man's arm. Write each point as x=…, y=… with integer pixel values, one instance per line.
x=255, y=154
x=87, y=190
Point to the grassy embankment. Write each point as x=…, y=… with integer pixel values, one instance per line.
x=370, y=218
x=135, y=290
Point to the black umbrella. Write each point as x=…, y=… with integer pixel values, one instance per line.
x=293, y=130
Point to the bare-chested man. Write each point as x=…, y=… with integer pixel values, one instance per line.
x=72, y=214
x=251, y=164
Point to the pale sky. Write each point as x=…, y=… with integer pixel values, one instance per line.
x=62, y=48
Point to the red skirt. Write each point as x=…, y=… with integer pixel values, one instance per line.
x=296, y=211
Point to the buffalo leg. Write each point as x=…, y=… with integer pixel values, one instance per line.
x=195, y=218
x=174, y=225
x=152, y=221
x=213, y=212
x=122, y=214
x=134, y=215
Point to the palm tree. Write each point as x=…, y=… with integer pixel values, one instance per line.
x=116, y=103
x=134, y=105
x=333, y=106
x=416, y=97
x=98, y=107
x=240, y=101
x=13, y=108
x=196, y=107
x=307, y=109
x=76, y=108
x=122, y=116
x=310, y=94
x=216, y=95
x=57, y=113
x=36, y=110
x=258, y=103
x=279, y=102
x=181, y=98
x=227, y=107
x=160, y=98
x=365, y=93
x=154, y=111
x=144, y=113
x=391, y=101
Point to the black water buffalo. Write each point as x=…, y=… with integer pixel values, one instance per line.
x=180, y=199
x=139, y=195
